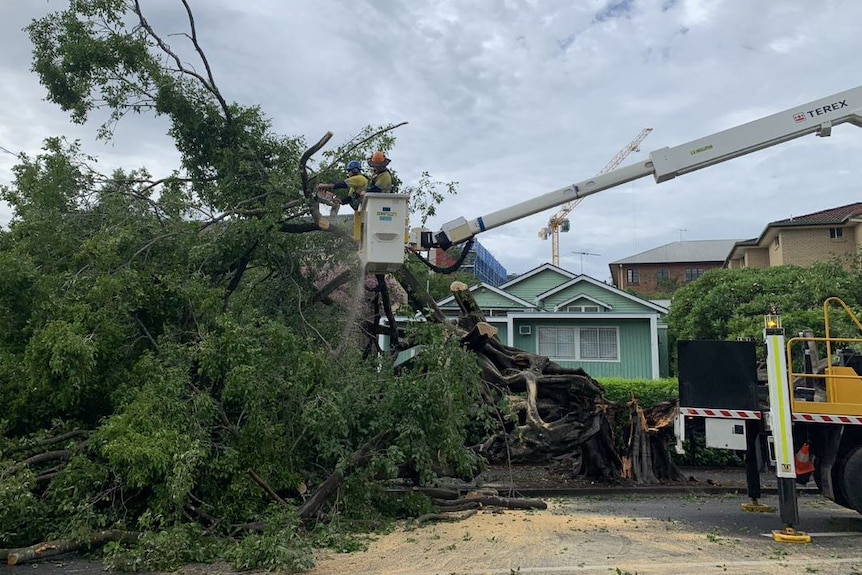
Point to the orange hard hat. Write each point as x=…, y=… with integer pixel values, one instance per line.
x=378, y=160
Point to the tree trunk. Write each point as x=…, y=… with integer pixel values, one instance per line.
x=61, y=546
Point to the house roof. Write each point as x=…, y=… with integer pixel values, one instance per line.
x=838, y=215
x=830, y=217
x=686, y=251
x=607, y=287
x=536, y=271
x=583, y=297
x=481, y=285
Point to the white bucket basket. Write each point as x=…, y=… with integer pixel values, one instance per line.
x=383, y=232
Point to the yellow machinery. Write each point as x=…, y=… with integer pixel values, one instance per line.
x=839, y=386
x=813, y=418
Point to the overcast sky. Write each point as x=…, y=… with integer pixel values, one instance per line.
x=515, y=98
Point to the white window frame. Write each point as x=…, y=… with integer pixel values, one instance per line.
x=583, y=308
x=836, y=234
x=569, y=340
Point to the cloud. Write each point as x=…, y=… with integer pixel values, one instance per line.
x=515, y=98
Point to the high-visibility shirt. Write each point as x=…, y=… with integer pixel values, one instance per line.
x=381, y=182
x=355, y=185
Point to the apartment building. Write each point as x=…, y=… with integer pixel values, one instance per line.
x=826, y=235
x=661, y=269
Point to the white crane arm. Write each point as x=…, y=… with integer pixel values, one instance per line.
x=817, y=117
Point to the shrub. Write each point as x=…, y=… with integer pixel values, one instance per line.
x=648, y=392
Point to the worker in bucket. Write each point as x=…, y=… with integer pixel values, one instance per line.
x=381, y=178
x=348, y=191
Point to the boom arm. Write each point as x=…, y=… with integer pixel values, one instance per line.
x=817, y=117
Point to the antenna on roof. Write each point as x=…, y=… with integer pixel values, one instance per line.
x=681, y=230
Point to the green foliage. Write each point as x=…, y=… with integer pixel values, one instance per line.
x=730, y=304
x=175, y=319
x=437, y=284
x=19, y=507
x=438, y=397
x=427, y=194
x=410, y=505
x=164, y=550
x=648, y=392
x=279, y=548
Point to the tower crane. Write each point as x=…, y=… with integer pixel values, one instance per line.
x=558, y=221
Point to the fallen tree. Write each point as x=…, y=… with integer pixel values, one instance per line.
x=558, y=413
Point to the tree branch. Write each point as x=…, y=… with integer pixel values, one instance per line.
x=59, y=455
x=211, y=88
x=212, y=85
x=359, y=143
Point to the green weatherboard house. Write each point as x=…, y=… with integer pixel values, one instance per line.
x=576, y=321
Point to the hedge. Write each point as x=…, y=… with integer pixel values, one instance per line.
x=649, y=392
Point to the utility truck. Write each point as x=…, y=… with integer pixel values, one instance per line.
x=830, y=423
x=808, y=409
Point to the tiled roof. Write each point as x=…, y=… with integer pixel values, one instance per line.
x=837, y=215
x=688, y=251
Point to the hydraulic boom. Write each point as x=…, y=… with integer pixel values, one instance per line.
x=817, y=117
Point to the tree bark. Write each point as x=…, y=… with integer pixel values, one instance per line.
x=61, y=546
x=59, y=455
x=419, y=296
x=647, y=459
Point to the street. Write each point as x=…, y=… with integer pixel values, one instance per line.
x=620, y=534
x=623, y=535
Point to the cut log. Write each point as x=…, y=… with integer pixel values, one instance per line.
x=61, y=546
x=476, y=338
x=494, y=501
x=451, y=518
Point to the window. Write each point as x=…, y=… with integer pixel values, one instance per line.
x=662, y=275
x=632, y=277
x=557, y=342
x=583, y=308
x=836, y=233
x=525, y=330
x=579, y=343
x=692, y=274
x=598, y=343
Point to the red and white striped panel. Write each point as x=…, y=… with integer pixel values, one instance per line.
x=819, y=418
x=726, y=413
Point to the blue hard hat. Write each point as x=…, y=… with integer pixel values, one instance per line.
x=354, y=166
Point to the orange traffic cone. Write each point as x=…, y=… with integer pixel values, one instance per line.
x=804, y=467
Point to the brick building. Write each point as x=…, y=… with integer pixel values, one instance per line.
x=830, y=234
x=661, y=269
